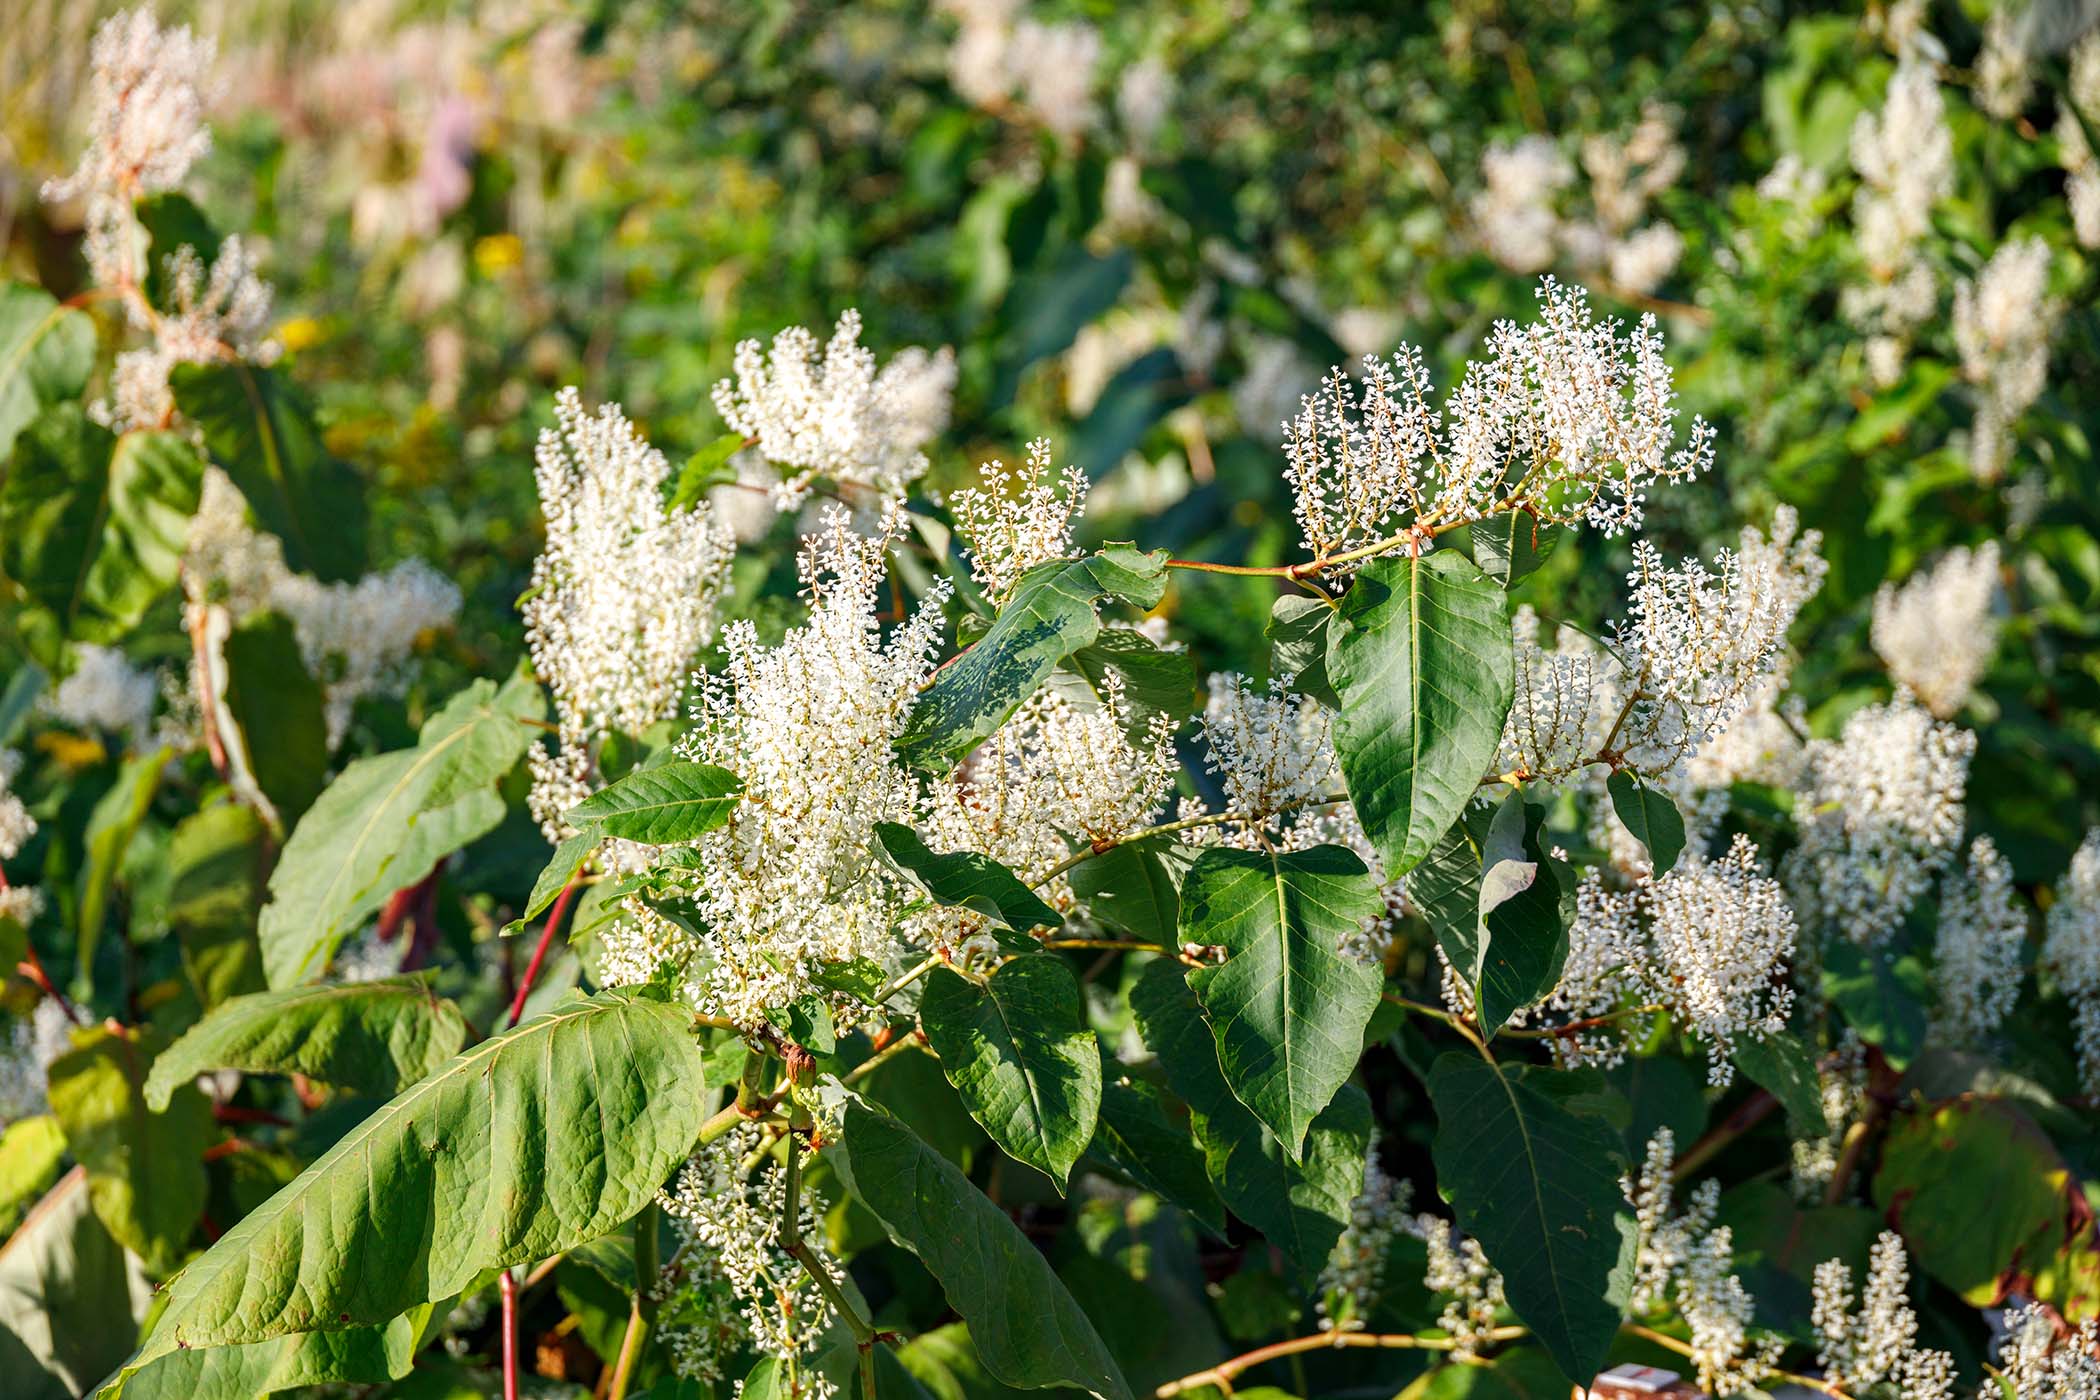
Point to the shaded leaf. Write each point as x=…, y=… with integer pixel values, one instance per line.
x=69, y=1297
x=110, y=827
x=1297, y=632
x=1018, y=1051
x=1509, y=546
x=1026, y=1327
x=216, y=860
x=1883, y=996
x=47, y=352
x=1651, y=816
x=1781, y=1064
x=1288, y=1008
x=1135, y=887
x=1138, y=1139
x=1421, y=661
x=281, y=711
x=374, y=1037
x=968, y=880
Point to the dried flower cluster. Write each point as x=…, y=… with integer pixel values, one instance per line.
x=213, y=316
x=623, y=595
x=1567, y=418
x=831, y=413
x=1880, y=810
x=1937, y=634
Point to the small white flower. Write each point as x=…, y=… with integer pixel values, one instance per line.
x=1017, y=520
x=1879, y=1343
x=1981, y=946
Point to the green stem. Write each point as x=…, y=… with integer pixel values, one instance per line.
x=642, y=1312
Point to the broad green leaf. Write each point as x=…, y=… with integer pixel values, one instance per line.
x=110, y=828
x=1154, y=681
x=967, y=880
x=1019, y=1052
x=566, y=863
x=663, y=805
x=1297, y=632
x=1135, y=887
x=216, y=860
x=1509, y=546
x=281, y=711
x=1027, y=1328
x=263, y=437
x=1498, y=906
x=527, y=1144
x=1651, y=816
x=32, y=1150
x=360, y=1356
x=1139, y=1140
x=1050, y=616
x=1300, y=1208
x=145, y=1167
x=1538, y=1186
x=1883, y=995
x=70, y=1297
x=93, y=526
x=1781, y=1064
x=1421, y=660
x=375, y=1037
x=47, y=352
x=1288, y=1007
x=360, y=840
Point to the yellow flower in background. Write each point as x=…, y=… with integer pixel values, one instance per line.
x=497, y=254
x=299, y=333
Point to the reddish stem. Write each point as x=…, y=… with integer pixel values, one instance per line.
x=539, y=953
x=509, y=1289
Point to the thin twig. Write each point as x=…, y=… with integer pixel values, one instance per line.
x=1222, y=1374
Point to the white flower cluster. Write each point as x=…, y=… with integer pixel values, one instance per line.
x=1519, y=223
x=1841, y=1079
x=218, y=315
x=31, y=1044
x=1056, y=774
x=2037, y=1364
x=1700, y=648
x=2002, y=324
x=16, y=825
x=1761, y=745
x=2004, y=77
x=1685, y=1262
x=2074, y=151
x=734, y=1284
x=1709, y=940
x=354, y=638
x=1349, y=1281
x=1567, y=418
x=146, y=97
x=1937, y=634
x=1272, y=750
x=831, y=413
x=1459, y=1268
x=1880, y=811
x=1878, y=1344
x=791, y=880
x=105, y=692
x=1017, y=520
x=622, y=596
x=1904, y=155
x=2070, y=949
x=1047, y=68
x=1980, y=951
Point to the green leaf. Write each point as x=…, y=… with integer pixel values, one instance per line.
x=31, y=1152
x=1019, y=1052
x=1155, y=681
x=1300, y=1208
x=1046, y=309
x=216, y=860
x=1651, y=816
x=93, y=526
x=663, y=805
x=263, y=437
x=69, y=1297
x=1027, y=1328
x=705, y=469
x=967, y=880
x=1507, y=547
x=567, y=862
x=1421, y=661
x=281, y=712
x=374, y=1037
x=145, y=1167
x=1287, y=1006
x=1521, y=1373
x=1297, y=632
x=526, y=1145
x=1141, y=393
x=351, y=1356
x=1050, y=616
x=361, y=840
x=1137, y=1138
x=110, y=828
x=1498, y=906
x=47, y=352
x=172, y=220
x=1135, y=887
x=1783, y=1065
x=1883, y=996
x=1538, y=1186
